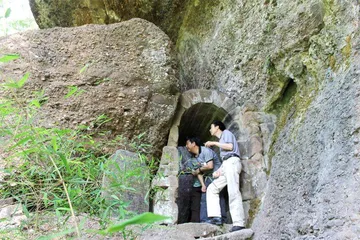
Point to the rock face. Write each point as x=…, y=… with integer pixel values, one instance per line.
x=167, y=14
x=124, y=71
x=189, y=231
x=313, y=188
x=11, y=214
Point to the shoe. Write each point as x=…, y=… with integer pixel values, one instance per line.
x=236, y=228
x=214, y=220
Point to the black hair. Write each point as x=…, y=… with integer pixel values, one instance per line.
x=195, y=140
x=220, y=124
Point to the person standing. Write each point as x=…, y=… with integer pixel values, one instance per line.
x=228, y=174
x=204, y=161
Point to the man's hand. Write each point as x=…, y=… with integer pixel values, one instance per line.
x=203, y=188
x=195, y=172
x=216, y=174
x=210, y=144
x=224, y=146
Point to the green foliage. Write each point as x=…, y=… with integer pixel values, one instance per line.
x=8, y=12
x=15, y=20
x=73, y=91
x=17, y=84
x=9, y=57
x=145, y=218
x=85, y=67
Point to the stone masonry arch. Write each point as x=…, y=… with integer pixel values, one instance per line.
x=196, y=109
x=200, y=96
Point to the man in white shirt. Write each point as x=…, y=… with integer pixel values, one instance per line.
x=228, y=174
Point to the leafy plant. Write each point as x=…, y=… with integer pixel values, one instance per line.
x=145, y=218
x=7, y=13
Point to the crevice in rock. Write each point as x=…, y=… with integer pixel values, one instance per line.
x=195, y=121
x=287, y=92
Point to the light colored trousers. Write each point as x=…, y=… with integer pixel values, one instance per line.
x=230, y=175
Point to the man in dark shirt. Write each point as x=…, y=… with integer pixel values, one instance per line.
x=203, y=163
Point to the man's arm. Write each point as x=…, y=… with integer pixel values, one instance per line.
x=209, y=165
x=225, y=146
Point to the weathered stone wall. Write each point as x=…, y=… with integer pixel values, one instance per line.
x=313, y=186
x=286, y=57
x=252, y=50
x=125, y=71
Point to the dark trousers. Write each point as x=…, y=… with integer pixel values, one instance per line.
x=198, y=204
x=195, y=204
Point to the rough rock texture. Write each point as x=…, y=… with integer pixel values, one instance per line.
x=313, y=191
x=166, y=185
x=189, y=231
x=124, y=71
x=165, y=13
x=11, y=214
x=285, y=57
x=251, y=50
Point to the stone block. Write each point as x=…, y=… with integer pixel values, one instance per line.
x=266, y=131
x=165, y=185
x=6, y=202
x=244, y=149
x=170, y=158
x=247, y=190
x=185, y=101
x=165, y=199
x=11, y=216
x=11, y=210
x=238, y=235
x=227, y=104
x=247, y=208
x=128, y=169
x=173, y=136
x=256, y=145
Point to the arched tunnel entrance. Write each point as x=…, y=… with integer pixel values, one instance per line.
x=196, y=110
x=195, y=121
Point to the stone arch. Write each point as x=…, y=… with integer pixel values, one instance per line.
x=253, y=132
x=194, y=101
x=197, y=108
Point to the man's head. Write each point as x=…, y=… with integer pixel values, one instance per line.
x=216, y=127
x=193, y=144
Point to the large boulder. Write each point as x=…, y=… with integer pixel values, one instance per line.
x=166, y=14
x=124, y=71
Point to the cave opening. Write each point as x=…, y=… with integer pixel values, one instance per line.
x=195, y=121
x=287, y=92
